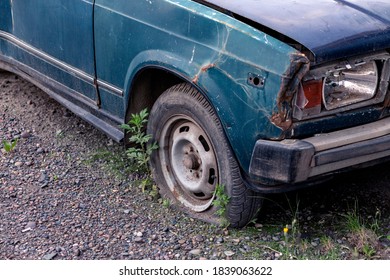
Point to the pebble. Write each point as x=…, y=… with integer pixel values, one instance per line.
x=25, y=134
x=50, y=256
x=220, y=240
x=31, y=225
x=19, y=164
x=195, y=252
x=138, y=240
x=199, y=238
x=229, y=253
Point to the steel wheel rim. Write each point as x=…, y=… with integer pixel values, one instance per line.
x=189, y=163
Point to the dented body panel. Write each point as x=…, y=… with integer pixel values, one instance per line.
x=248, y=58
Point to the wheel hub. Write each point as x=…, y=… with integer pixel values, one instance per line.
x=191, y=161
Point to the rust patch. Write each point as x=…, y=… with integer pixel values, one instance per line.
x=299, y=66
x=202, y=70
x=281, y=121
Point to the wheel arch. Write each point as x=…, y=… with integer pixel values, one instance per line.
x=147, y=85
x=151, y=73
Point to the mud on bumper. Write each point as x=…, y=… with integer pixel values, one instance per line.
x=297, y=161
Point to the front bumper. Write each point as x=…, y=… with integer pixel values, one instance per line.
x=296, y=161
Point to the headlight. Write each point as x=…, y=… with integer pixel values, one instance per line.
x=348, y=86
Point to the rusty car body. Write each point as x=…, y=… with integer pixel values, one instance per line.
x=256, y=96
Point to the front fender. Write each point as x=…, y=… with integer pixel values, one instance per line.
x=215, y=52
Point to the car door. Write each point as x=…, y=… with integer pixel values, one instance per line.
x=55, y=37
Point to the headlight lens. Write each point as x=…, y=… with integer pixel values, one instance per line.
x=348, y=86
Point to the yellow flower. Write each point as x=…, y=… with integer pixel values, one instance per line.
x=285, y=230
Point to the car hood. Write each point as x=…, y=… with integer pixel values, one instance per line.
x=329, y=29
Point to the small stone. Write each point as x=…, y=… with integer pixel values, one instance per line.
x=229, y=253
x=25, y=134
x=29, y=163
x=82, y=206
x=126, y=211
x=31, y=225
x=199, y=238
x=275, y=238
x=50, y=256
x=40, y=151
x=314, y=244
x=278, y=255
x=220, y=240
x=43, y=177
x=139, y=234
x=182, y=241
x=195, y=252
x=138, y=240
x=18, y=164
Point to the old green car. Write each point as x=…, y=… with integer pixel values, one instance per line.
x=255, y=96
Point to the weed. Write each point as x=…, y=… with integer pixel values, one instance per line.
x=375, y=223
x=114, y=162
x=141, y=151
x=166, y=203
x=353, y=220
x=60, y=134
x=368, y=250
x=361, y=237
x=9, y=146
x=221, y=201
x=142, y=147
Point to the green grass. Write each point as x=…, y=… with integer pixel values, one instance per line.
x=10, y=146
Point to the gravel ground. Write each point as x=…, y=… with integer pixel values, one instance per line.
x=57, y=203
